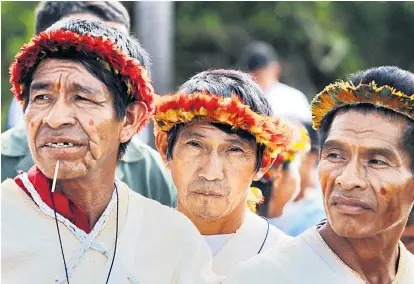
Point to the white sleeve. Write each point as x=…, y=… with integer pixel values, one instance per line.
x=196, y=263
x=16, y=115
x=254, y=270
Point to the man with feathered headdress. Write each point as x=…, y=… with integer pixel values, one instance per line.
x=141, y=167
x=217, y=135
x=85, y=92
x=366, y=171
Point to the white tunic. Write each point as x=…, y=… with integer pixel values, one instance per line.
x=308, y=259
x=254, y=235
x=156, y=244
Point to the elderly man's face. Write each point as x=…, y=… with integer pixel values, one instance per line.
x=365, y=176
x=212, y=170
x=71, y=118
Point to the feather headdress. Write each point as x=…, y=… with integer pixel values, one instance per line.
x=52, y=42
x=344, y=93
x=184, y=108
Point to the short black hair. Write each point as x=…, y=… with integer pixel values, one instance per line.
x=111, y=79
x=49, y=12
x=313, y=137
x=225, y=83
x=395, y=77
x=257, y=55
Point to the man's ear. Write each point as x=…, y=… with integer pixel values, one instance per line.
x=267, y=162
x=161, y=141
x=134, y=115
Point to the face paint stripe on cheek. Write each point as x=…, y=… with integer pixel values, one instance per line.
x=91, y=131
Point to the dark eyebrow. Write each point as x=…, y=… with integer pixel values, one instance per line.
x=237, y=141
x=193, y=133
x=83, y=89
x=332, y=144
x=39, y=86
x=388, y=153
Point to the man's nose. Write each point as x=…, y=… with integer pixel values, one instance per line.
x=61, y=114
x=353, y=176
x=213, y=168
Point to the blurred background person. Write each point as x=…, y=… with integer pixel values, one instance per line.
x=306, y=210
x=282, y=184
x=262, y=61
x=408, y=235
x=140, y=168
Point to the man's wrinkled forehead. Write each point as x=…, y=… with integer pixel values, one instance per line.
x=358, y=127
x=59, y=73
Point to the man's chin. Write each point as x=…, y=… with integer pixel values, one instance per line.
x=207, y=214
x=67, y=170
x=352, y=230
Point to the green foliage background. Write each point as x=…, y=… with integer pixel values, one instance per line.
x=318, y=42
x=17, y=26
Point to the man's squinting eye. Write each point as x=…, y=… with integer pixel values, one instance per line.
x=378, y=162
x=80, y=98
x=236, y=149
x=193, y=144
x=334, y=156
x=41, y=98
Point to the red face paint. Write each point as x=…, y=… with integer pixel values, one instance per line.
x=58, y=86
x=91, y=122
x=382, y=191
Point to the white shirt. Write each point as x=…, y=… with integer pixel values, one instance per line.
x=216, y=242
x=16, y=115
x=288, y=102
x=156, y=244
x=253, y=237
x=308, y=259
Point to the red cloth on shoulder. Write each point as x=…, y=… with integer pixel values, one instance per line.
x=64, y=206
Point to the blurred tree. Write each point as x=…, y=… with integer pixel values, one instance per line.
x=17, y=26
x=317, y=41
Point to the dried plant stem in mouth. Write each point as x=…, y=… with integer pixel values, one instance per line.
x=55, y=176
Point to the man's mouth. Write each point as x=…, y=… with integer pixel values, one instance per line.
x=60, y=145
x=208, y=194
x=61, y=142
x=350, y=205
